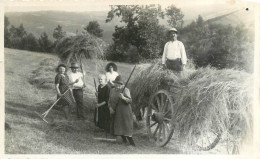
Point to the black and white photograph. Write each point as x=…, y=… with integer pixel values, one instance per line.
x=159, y=77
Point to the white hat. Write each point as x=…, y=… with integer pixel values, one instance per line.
x=174, y=30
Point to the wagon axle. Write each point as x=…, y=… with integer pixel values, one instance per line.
x=158, y=117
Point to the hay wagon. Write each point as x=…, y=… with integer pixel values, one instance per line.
x=197, y=108
x=161, y=125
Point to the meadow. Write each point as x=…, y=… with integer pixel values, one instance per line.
x=29, y=134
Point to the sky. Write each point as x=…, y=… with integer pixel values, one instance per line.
x=103, y=5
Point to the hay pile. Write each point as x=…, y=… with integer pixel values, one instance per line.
x=207, y=100
x=72, y=48
x=219, y=100
x=43, y=76
x=152, y=77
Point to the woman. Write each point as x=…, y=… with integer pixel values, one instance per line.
x=119, y=106
x=102, y=115
x=62, y=86
x=111, y=73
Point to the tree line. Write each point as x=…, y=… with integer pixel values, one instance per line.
x=19, y=38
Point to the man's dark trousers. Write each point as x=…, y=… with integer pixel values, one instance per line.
x=78, y=95
x=175, y=65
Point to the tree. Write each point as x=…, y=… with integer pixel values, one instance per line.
x=6, y=33
x=175, y=16
x=16, y=37
x=44, y=43
x=221, y=46
x=142, y=30
x=58, y=33
x=31, y=43
x=21, y=31
x=94, y=28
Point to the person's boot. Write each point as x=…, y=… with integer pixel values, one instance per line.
x=124, y=139
x=131, y=141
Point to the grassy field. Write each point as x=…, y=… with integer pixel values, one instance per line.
x=30, y=135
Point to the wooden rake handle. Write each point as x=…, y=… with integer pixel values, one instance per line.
x=47, y=111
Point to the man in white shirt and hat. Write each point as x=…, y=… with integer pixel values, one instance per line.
x=77, y=88
x=174, y=55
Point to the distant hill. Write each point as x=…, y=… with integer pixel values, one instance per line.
x=73, y=22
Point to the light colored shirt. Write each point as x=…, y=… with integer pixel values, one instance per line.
x=173, y=50
x=73, y=77
x=111, y=76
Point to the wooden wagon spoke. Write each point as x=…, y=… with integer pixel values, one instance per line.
x=162, y=101
x=155, y=107
x=156, y=129
x=208, y=138
x=159, y=133
x=163, y=128
x=152, y=124
x=166, y=113
x=166, y=126
x=158, y=102
x=165, y=105
x=167, y=119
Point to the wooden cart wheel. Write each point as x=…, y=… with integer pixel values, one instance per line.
x=159, y=118
x=208, y=140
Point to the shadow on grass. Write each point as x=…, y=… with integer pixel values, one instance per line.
x=22, y=109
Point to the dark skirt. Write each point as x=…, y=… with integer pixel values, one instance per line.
x=102, y=118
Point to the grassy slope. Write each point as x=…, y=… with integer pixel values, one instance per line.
x=31, y=135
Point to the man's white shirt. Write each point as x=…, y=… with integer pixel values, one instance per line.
x=173, y=50
x=73, y=77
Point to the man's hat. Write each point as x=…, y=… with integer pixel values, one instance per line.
x=173, y=30
x=118, y=80
x=74, y=65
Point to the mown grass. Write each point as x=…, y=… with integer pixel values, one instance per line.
x=30, y=135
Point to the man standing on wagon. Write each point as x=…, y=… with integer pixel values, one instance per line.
x=77, y=88
x=174, y=55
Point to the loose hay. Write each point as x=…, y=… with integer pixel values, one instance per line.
x=152, y=77
x=43, y=76
x=62, y=126
x=218, y=100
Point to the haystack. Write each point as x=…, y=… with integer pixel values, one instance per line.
x=85, y=45
x=219, y=100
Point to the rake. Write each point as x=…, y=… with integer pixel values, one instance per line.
x=43, y=115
